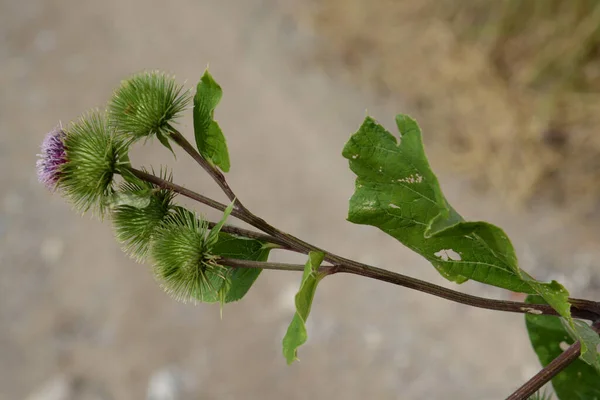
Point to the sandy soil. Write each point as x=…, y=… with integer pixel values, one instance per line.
x=78, y=320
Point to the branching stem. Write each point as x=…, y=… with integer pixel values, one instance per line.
x=210, y=169
x=583, y=309
x=416, y=284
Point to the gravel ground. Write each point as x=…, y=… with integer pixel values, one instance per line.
x=78, y=320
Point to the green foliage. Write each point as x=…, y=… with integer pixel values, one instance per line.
x=589, y=340
x=148, y=104
x=142, y=207
x=397, y=191
x=579, y=381
x=296, y=334
x=209, y=138
x=239, y=280
x=94, y=153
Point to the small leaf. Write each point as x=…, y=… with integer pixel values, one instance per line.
x=239, y=280
x=296, y=334
x=210, y=140
x=397, y=191
x=213, y=235
x=164, y=140
x=578, y=381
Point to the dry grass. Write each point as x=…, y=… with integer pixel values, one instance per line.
x=508, y=92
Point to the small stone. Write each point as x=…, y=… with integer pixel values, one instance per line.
x=165, y=384
x=58, y=388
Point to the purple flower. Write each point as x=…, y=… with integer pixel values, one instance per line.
x=52, y=157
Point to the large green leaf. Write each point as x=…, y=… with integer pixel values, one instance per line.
x=397, y=191
x=296, y=334
x=579, y=381
x=210, y=140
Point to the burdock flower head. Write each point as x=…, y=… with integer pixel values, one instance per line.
x=52, y=157
x=183, y=260
x=82, y=161
x=136, y=221
x=148, y=104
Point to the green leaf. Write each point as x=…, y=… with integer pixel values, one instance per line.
x=210, y=140
x=240, y=280
x=296, y=334
x=397, y=191
x=590, y=342
x=213, y=235
x=164, y=140
x=579, y=381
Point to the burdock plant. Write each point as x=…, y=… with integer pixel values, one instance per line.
x=200, y=261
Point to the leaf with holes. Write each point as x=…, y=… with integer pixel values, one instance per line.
x=579, y=381
x=397, y=192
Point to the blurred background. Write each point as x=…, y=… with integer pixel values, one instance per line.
x=506, y=92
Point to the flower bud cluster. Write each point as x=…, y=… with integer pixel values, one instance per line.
x=83, y=162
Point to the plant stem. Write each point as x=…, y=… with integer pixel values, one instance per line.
x=419, y=285
x=165, y=184
x=455, y=296
x=211, y=170
x=241, y=213
x=548, y=372
x=249, y=217
x=236, y=263
x=584, y=309
x=551, y=370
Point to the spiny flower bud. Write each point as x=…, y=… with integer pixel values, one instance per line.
x=82, y=161
x=183, y=262
x=147, y=104
x=135, y=222
x=183, y=259
x=51, y=159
